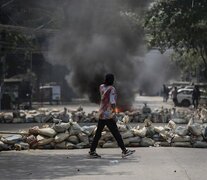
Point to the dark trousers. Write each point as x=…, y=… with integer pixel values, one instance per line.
x=195, y=102
x=111, y=124
x=175, y=101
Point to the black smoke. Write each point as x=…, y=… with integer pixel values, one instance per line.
x=98, y=37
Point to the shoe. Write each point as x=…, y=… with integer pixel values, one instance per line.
x=94, y=154
x=127, y=152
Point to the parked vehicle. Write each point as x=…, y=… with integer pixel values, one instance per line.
x=50, y=93
x=184, y=97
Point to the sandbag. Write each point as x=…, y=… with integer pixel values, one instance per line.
x=140, y=132
x=49, y=132
x=8, y=117
x=61, y=137
x=4, y=147
x=195, y=129
x=162, y=144
x=178, y=138
x=125, y=119
x=101, y=143
x=110, y=145
x=81, y=145
x=34, y=130
x=31, y=140
x=69, y=145
x=122, y=127
x=48, y=118
x=167, y=135
x=75, y=129
x=180, y=121
x=21, y=146
x=89, y=129
x=18, y=120
x=106, y=135
x=29, y=118
x=147, y=123
x=12, y=139
x=62, y=127
x=73, y=139
x=146, y=142
x=134, y=144
x=65, y=125
x=61, y=145
x=150, y=131
x=55, y=110
x=43, y=109
x=181, y=144
x=136, y=139
x=43, y=141
x=127, y=134
x=39, y=117
x=22, y=114
x=32, y=112
x=159, y=129
x=126, y=142
x=83, y=138
x=157, y=137
x=46, y=146
x=196, y=138
x=171, y=125
x=181, y=131
x=200, y=144
x=58, y=128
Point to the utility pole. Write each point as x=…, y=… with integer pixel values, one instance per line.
x=2, y=62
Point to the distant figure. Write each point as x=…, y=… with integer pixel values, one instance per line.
x=146, y=109
x=174, y=96
x=165, y=93
x=196, y=96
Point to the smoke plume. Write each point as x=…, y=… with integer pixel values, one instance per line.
x=99, y=38
x=156, y=69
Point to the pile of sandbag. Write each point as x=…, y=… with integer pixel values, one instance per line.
x=72, y=136
x=60, y=136
x=41, y=115
x=45, y=115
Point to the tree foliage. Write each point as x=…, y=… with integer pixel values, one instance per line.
x=179, y=24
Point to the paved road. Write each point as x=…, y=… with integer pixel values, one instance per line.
x=153, y=163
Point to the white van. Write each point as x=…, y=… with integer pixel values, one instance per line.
x=185, y=97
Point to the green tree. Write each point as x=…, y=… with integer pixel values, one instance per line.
x=181, y=25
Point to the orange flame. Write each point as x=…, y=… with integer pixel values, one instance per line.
x=117, y=110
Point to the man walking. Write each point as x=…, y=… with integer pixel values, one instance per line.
x=106, y=117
